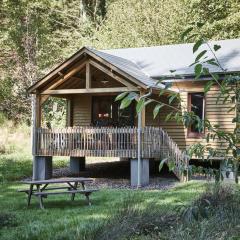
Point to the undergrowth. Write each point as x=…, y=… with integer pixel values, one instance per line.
x=214, y=215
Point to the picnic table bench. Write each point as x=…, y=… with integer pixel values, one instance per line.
x=72, y=187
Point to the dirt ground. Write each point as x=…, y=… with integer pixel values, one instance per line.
x=117, y=175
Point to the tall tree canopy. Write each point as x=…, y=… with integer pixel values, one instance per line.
x=38, y=34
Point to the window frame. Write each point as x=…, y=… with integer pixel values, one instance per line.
x=191, y=134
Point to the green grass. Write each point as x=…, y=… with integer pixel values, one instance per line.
x=17, y=165
x=63, y=219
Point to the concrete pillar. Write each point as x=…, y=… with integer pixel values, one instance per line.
x=144, y=172
x=226, y=171
x=42, y=167
x=77, y=164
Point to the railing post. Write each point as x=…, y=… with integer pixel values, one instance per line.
x=139, y=131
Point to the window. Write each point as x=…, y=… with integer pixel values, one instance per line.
x=196, y=104
x=106, y=112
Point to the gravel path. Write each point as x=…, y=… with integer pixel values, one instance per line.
x=115, y=175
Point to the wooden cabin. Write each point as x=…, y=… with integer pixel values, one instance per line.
x=90, y=80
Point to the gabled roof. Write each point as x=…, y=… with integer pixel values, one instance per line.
x=147, y=64
x=158, y=61
x=125, y=66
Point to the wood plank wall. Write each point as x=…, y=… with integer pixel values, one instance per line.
x=82, y=110
x=216, y=113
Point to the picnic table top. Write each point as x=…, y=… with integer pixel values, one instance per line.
x=58, y=180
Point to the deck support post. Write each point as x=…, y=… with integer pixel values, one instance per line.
x=227, y=173
x=144, y=172
x=42, y=167
x=77, y=164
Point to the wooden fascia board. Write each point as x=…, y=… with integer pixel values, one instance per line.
x=32, y=88
x=89, y=90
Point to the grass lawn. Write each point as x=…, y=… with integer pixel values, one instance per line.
x=63, y=219
x=115, y=214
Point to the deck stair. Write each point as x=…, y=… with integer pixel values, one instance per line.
x=175, y=157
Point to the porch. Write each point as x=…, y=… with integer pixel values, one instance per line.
x=81, y=142
x=103, y=142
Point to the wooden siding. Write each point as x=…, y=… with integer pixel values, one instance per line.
x=215, y=112
x=82, y=110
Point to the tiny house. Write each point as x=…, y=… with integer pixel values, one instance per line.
x=96, y=126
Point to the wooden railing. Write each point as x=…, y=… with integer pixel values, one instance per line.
x=110, y=142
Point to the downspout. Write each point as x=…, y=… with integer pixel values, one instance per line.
x=139, y=139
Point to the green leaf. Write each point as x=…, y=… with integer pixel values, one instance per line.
x=162, y=163
x=157, y=109
x=216, y=47
x=121, y=96
x=128, y=100
x=171, y=98
x=208, y=86
x=140, y=105
x=197, y=45
x=200, y=24
x=212, y=62
x=125, y=103
x=215, y=76
x=200, y=55
x=168, y=117
x=171, y=165
x=198, y=70
x=205, y=71
x=168, y=85
x=186, y=32
x=132, y=95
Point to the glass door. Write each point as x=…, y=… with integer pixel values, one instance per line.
x=107, y=112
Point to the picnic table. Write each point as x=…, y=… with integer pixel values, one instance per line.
x=71, y=186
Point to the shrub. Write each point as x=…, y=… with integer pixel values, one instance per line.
x=7, y=220
x=214, y=215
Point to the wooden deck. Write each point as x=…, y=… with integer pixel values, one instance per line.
x=104, y=142
x=100, y=142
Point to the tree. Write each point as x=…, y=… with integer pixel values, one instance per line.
x=141, y=23
x=25, y=28
x=220, y=17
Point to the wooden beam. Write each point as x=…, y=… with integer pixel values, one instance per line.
x=137, y=82
x=66, y=76
x=90, y=90
x=77, y=78
x=143, y=111
x=111, y=74
x=69, y=113
x=88, y=75
x=44, y=99
x=38, y=110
